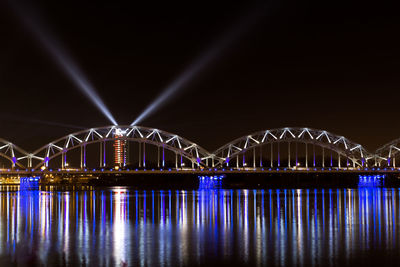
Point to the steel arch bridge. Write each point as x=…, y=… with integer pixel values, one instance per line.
x=343, y=147
x=142, y=135
x=304, y=149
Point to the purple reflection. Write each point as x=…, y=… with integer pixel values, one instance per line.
x=280, y=226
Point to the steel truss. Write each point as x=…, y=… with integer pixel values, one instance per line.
x=179, y=145
x=357, y=154
x=386, y=155
x=13, y=153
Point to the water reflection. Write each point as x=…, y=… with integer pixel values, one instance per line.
x=126, y=227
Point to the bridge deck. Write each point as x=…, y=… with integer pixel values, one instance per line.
x=196, y=171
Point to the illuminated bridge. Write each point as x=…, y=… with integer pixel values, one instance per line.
x=135, y=149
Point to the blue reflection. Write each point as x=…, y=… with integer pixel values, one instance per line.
x=210, y=182
x=29, y=183
x=371, y=180
x=99, y=228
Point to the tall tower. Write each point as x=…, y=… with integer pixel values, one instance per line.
x=120, y=148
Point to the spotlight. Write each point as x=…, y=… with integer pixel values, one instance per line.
x=60, y=56
x=201, y=63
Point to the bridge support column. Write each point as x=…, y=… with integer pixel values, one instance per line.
x=212, y=162
x=163, y=157
x=279, y=155
x=261, y=163
x=158, y=156
x=394, y=162
x=29, y=162
x=83, y=156
x=237, y=161
x=323, y=157
x=354, y=163
x=313, y=148
x=182, y=162
x=140, y=155
x=144, y=155
x=331, y=159
x=244, y=160
x=272, y=155
x=339, y=165
x=289, y=155
x=306, y=155
x=297, y=161
x=347, y=162
x=176, y=160
x=63, y=160
x=101, y=155
x=254, y=157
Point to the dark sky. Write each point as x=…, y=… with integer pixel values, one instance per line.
x=330, y=65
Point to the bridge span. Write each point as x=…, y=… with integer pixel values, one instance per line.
x=143, y=150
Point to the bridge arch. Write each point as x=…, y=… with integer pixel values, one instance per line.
x=354, y=154
x=15, y=156
x=186, y=150
x=386, y=155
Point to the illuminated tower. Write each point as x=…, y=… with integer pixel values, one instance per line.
x=120, y=149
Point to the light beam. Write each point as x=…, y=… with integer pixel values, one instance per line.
x=61, y=57
x=200, y=63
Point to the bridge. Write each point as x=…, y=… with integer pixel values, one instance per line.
x=135, y=149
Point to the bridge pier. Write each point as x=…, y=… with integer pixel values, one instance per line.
x=261, y=163
x=288, y=154
x=323, y=157
x=339, y=165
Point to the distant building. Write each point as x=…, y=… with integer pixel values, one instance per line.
x=120, y=149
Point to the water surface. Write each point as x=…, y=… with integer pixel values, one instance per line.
x=124, y=227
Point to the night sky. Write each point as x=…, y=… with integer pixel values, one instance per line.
x=332, y=65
